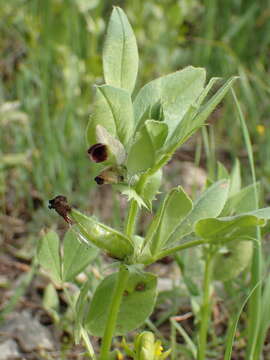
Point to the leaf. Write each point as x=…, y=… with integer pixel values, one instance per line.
x=49, y=256
x=141, y=155
x=76, y=255
x=102, y=236
x=113, y=110
x=174, y=208
x=151, y=188
x=243, y=201
x=137, y=303
x=176, y=92
x=206, y=90
x=133, y=195
x=222, y=172
x=211, y=202
x=81, y=307
x=195, y=117
x=230, y=262
x=263, y=213
x=157, y=131
x=211, y=104
x=235, y=179
x=120, y=53
x=50, y=301
x=227, y=228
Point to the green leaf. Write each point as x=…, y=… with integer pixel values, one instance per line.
x=50, y=302
x=243, y=201
x=232, y=260
x=222, y=172
x=211, y=202
x=49, y=255
x=141, y=155
x=151, y=188
x=211, y=104
x=113, y=242
x=120, y=53
x=113, y=110
x=235, y=179
x=263, y=213
x=81, y=307
x=206, y=90
x=176, y=92
x=157, y=131
x=133, y=195
x=137, y=303
x=195, y=117
x=227, y=228
x=76, y=255
x=174, y=208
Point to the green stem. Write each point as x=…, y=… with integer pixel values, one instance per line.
x=206, y=305
x=113, y=312
x=184, y=246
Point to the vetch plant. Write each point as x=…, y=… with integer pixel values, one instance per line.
x=131, y=138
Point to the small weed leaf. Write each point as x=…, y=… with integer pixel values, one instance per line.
x=136, y=305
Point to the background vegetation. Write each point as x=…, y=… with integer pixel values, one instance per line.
x=51, y=57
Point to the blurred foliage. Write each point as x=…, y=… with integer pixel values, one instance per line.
x=51, y=57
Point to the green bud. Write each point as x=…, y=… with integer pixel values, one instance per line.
x=113, y=242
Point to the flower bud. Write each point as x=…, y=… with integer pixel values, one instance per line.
x=110, y=175
x=61, y=206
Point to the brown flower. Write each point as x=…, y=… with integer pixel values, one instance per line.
x=98, y=152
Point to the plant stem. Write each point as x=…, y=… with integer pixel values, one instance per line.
x=206, y=305
x=184, y=246
x=113, y=312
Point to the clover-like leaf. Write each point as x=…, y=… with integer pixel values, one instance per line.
x=120, y=53
x=49, y=255
x=137, y=303
x=76, y=255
